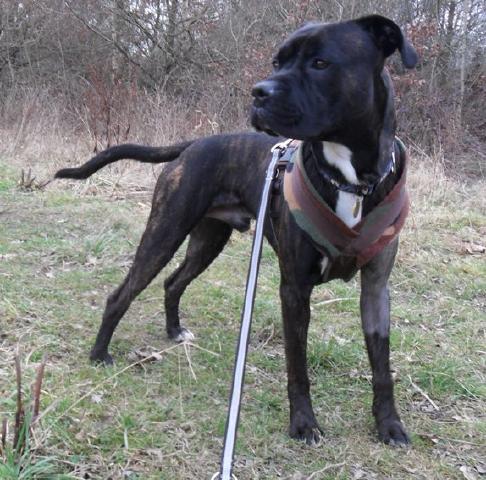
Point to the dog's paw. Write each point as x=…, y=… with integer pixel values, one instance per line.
x=103, y=358
x=182, y=335
x=392, y=432
x=303, y=426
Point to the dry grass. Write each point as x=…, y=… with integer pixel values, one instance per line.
x=43, y=132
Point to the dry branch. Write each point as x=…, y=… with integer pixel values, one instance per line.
x=36, y=390
x=19, y=414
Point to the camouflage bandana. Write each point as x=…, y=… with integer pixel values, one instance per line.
x=328, y=232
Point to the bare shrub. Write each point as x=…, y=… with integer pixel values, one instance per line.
x=78, y=77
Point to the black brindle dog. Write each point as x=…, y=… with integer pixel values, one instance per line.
x=329, y=89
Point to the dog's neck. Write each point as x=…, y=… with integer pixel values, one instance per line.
x=332, y=169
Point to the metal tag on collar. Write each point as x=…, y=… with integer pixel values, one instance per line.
x=357, y=206
x=366, y=190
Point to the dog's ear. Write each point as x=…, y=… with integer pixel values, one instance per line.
x=388, y=38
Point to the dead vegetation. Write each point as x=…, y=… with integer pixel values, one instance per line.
x=18, y=458
x=159, y=413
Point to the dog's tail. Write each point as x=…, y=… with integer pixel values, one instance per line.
x=120, y=152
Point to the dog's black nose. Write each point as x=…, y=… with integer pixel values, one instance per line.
x=263, y=90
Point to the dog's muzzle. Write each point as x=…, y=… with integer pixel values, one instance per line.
x=271, y=111
x=262, y=92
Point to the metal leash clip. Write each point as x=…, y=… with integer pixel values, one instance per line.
x=282, y=145
x=278, y=151
x=284, y=154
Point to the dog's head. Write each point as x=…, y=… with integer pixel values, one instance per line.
x=327, y=78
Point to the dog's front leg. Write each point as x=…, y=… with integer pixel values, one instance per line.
x=375, y=318
x=296, y=315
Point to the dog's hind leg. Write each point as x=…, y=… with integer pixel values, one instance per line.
x=206, y=242
x=153, y=253
x=375, y=318
x=172, y=217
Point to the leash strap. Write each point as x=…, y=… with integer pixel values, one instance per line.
x=225, y=472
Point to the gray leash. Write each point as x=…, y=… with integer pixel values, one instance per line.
x=225, y=473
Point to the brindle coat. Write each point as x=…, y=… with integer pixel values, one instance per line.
x=329, y=84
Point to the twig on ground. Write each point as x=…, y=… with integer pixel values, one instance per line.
x=334, y=300
x=28, y=182
x=423, y=393
x=36, y=390
x=447, y=439
x=202, y=349
x=3, y=436
x=19, y=414
x=188, y=356
x=326, y=468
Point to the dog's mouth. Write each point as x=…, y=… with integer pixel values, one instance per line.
x=281, y=121
x=259, y=123
x=274, y=110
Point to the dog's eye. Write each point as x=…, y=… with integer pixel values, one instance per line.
x=320, y=64
x=275, y=64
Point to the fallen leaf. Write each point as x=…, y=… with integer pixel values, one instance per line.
x=95, y=398
x=147, y=355
x=91, y=260
x=358, y=473
x=468, y=473
x=8, y=256
x=474, y=248
x=481, y=468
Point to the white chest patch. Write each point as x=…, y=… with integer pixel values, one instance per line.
x=339, y=156
x=348, y=205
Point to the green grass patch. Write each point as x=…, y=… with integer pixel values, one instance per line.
x=61, y=255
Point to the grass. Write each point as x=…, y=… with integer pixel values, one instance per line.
x=64, y=249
